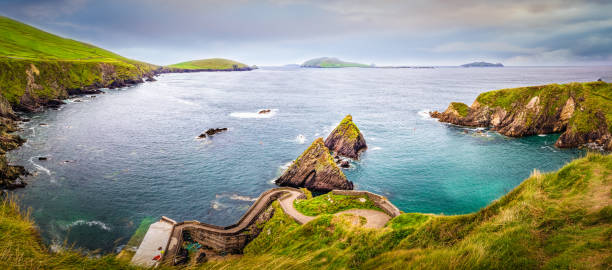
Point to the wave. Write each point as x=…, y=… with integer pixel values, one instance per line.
x=375, y=148
x=424, y=114
x=254, y=114
x=300, y=139
x=39, y=167
x=92, y=223
x=236, y=197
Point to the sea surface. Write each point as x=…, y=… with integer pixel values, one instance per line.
x=132, y=153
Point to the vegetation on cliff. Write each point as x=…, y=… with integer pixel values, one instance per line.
x=38, y=68
x=346, y=139
x=558, y=220
x=210, y=64
x=315, y=169
x=332, y=203
x=330, y=62
x=582, y=112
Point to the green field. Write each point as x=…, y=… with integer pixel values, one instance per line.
x=330, y=204
x=211, y=64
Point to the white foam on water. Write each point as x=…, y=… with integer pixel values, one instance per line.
x=300, y=139
x=92, y=223
x=256, y=114
x=542, y=135
x=39, y=167
x=375, y=148
x=236, y=197
x=424, y=114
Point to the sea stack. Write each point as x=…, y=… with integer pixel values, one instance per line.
x=346, y=139
x=315, y=170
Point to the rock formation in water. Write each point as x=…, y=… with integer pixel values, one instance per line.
x=316, y=170
x=346, y=139
x=582, y=112
x=211, y=132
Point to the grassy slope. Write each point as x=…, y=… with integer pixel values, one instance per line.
x=556, y=220
x=330, y=204
x=213, y=63
x=593, y=97
x=55, y=63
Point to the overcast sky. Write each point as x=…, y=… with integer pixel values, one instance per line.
x=277, y=32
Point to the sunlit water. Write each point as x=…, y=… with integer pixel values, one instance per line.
x=132, y=153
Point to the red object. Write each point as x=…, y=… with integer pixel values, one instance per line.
x=156, y=258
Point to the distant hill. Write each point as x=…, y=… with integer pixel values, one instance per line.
x=330, y=62
x=211, y=64
x=482, y=64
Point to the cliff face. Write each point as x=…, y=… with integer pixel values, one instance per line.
x=30, y=85
x=346, y=139
x=582, y=112
x=316, y=170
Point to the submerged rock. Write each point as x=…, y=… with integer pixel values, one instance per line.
x=211, y=131
x=316, y=170
x=346, y=139
x=580, y=111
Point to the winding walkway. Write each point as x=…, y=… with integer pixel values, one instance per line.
x=168, y=234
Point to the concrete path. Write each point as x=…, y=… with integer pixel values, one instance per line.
x=375, y=219
x=157, y=236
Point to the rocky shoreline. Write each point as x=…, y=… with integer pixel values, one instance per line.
x=579, y=111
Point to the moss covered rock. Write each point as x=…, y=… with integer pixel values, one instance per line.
x=582, y=112
x=346, y=139
x=316, y=170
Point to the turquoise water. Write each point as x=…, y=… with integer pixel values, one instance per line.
x=132, y=153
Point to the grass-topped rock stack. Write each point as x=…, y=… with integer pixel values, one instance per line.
x=346, y=139
x=212, y=64
x=316, y=170
x=582, y=112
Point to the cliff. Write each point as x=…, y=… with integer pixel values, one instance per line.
x=346, y=139
x=316, y=170
x=581, y=112
x=38, y=69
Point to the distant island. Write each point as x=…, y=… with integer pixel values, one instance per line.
x=482, y=64
x=212, y=64
x=330, y=62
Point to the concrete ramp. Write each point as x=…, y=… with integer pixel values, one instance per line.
x=157, y=236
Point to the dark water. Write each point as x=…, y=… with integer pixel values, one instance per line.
x=132, y=153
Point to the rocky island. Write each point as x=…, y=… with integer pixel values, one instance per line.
x=315, y=169
x=581, y=112
x=482, y=64
x=346, y=139
x=212, y=64
x=330, y=62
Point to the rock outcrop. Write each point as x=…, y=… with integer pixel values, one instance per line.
x=211, y=132
x=346, y=139
x=582, y=112
x=316, y=170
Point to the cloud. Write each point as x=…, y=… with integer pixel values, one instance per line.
x=277, y=31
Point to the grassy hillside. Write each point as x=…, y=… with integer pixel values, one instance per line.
x=36, y=66
x=330, y=62
x=559, y=220
x=211, y=64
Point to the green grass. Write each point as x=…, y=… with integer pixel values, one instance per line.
x=46, y=65
x=212, y=64
x=330, y=204
x=461, y=108
x=558, y=220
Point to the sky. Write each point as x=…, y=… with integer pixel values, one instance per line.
x=278, y=32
